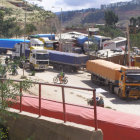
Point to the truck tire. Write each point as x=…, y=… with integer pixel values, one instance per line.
x=111, y=88
x=60, y=67
x=120, y=93
x=32, y=67
x=92, y=78
x=75, y=69
x=55, y=67
x=66, y=68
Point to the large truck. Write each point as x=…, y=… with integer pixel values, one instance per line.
x=68, y=62
x=122, y=80
x=36, y=57
x=97, y=39
x=118, y=43
x=9, y=44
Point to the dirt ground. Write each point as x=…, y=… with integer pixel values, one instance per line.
x=80, y=79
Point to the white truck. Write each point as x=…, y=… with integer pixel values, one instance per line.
x=118, y=43
x=36, y=57
x=97, y=39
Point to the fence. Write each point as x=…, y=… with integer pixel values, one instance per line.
x=63, y=98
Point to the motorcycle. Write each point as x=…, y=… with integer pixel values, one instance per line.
x=62, y=80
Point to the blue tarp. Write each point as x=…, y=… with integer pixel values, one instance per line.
x=68, y=58
x=82, y=39
x=50, y=36
x=10, y=43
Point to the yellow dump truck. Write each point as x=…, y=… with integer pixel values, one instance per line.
x=122, y=80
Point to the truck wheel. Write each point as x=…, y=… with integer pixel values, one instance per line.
x=92, y=78
x=60, y=67
x=55, y=66
x=120, y=94
x=111, y=88
x=74, y=69
x=66, y=69
x=31, y=67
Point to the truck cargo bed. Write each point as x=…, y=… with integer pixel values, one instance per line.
x=104, y=69
x=68, y=58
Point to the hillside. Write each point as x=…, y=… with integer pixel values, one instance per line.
x=34, y=15
x=124, y=10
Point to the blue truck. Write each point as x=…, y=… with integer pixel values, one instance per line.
x=68, y=62
x=9, y=44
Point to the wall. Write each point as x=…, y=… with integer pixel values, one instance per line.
x=29, y=126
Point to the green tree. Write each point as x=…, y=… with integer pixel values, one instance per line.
x=30, y=28
x=8, y=25
x=9, y=94
x=133, y=21
x=138, y=21
x=111, y=18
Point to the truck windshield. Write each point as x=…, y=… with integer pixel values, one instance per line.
x=49, y=45
x=42, y=56
x=38, y=45
x=132, y=78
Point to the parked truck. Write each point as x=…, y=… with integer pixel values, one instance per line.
x=118, y=43
x=8, y=44
x=68, y=62
x=122, y=80
x=36, y=57
x=98, y=40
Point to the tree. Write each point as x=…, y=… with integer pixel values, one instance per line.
x=111, y=18
x=133, y=21
x=7, y=25
x=30, y=28
x=138, y=21
x=9, y=93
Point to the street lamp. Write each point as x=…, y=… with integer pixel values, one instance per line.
x=60, y=46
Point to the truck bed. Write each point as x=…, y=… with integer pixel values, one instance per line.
x=104, y=69
x=10, y=43
x=68, y=58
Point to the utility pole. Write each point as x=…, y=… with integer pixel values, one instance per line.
x=60, y=46
x=61, y=31
x=25, y=17
x=128, y=46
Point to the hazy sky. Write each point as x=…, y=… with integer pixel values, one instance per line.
x=73, y=4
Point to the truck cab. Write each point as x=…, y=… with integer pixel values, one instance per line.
x=39, y=59
x=48, y=44
x=36, y=43
x=129, y=83
x=19, y=51
x=97, y=39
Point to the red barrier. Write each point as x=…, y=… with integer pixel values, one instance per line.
x=41, y=111
x=115, y=125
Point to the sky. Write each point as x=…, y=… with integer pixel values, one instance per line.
x=56, y=5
